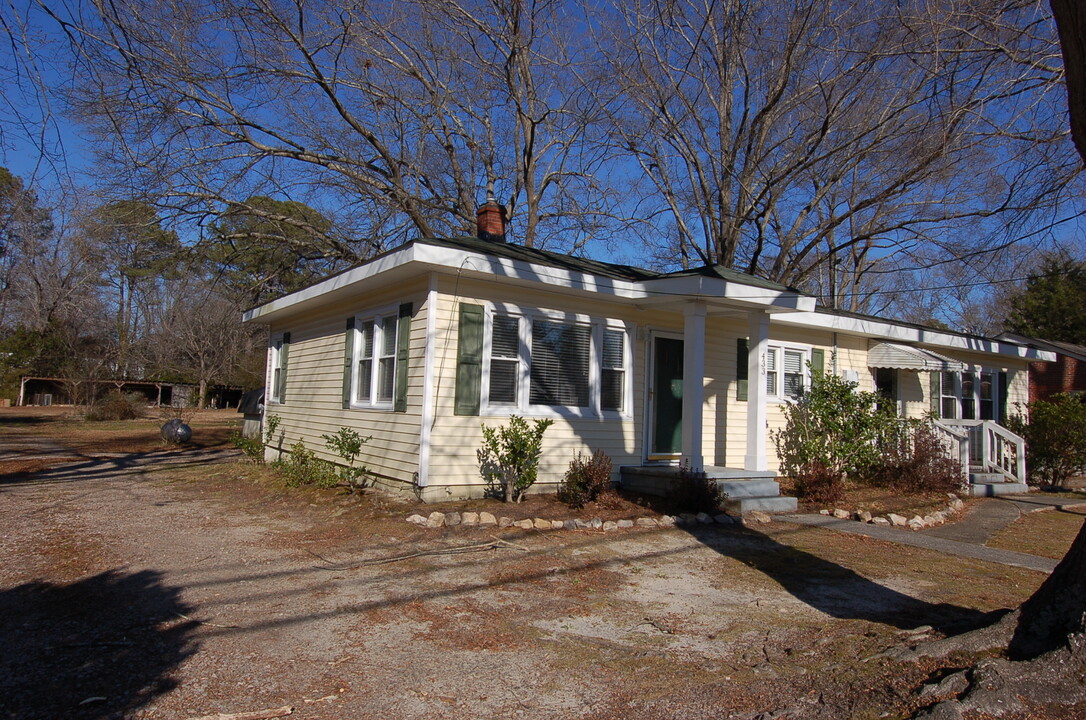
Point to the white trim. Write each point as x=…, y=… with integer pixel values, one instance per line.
x=756, y=457
x=428, y=383
x=378, y=317
x=466, y=262
x=888, y=330
x=693, y=412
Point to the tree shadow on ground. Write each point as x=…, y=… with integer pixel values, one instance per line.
x=833, y=589
x=97, y=648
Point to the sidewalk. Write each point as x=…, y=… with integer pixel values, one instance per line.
x=964, y=538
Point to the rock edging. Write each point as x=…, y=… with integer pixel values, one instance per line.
x=485, y=519
x=939, y=517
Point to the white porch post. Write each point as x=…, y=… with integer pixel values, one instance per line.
x=757, y=347
x=693, y=384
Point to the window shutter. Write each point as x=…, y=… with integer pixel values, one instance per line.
x=818, y=361
x=469, y=360
x=348, y=359
x=283, y=368
x=936, y=399
x=1001, y=417
x=741, y=369
x=403, y=344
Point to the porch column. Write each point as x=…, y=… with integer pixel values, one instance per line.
x=693, y=384
x=757, y=346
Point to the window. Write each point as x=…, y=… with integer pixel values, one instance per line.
x=969, y=395
x=277, y=364
x=374, y=377
x=786, y=372
x=546, y=362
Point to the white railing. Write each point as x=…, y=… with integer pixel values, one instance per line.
x=955, y=444
x=993, y=447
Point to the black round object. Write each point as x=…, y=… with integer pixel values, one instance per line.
x=176, y=432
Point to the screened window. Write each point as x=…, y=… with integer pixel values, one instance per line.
x=950, y=396
x=970, y=395
x=276, y=364
x=541, y=362
x=375, y=365
x=504, y=360
x=786, y=373
x=613, y=372
x=559, y=374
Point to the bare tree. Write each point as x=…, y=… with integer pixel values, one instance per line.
x=786, y=140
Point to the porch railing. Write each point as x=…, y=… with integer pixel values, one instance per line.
x=955, y=442
x=992, y=447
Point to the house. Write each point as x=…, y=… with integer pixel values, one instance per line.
x=420, y=346
x=1066, y=375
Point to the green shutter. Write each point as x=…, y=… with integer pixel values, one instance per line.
x=283, y=368
x=741, y=369
x=818, y=361
x=1001, y=417
x=348, y=361
x=403, y=344
x=469, y=360
x=936, y=394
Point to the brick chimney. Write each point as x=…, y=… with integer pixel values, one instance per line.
x=490, y=220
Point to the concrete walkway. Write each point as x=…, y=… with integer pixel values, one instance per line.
x=964, y=538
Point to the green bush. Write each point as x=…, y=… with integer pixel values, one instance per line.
x=347, y=443
x=117, y=406
x=832, y=432
x=303, y=467
x=1055, y=435
x=587, y=479
x=509, y=458
x=253, y=447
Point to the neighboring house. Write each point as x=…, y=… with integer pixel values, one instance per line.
x=420, y=346
x=1066, y=375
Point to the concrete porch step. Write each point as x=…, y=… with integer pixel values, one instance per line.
x=777, y=504
x=755, y=487
x=994, y=489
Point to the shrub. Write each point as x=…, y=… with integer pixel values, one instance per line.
x=1055, y=435
x=509, y=458
x=348, y=444
x=117, y=406
x=693, y=492
x=303, y=467
x=586, y=480
x=818, y=483
x=915, y=460
x=253, y=447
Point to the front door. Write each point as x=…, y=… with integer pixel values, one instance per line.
x=667, y=398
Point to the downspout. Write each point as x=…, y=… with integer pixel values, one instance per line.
x=834, y=352
x=428, y=383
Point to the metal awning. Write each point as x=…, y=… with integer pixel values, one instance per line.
x=907, y=357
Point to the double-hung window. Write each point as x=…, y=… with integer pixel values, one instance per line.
x=276, y=366
x=540, y=362
x=786, y=371
x=969, y=395
x=374, y=377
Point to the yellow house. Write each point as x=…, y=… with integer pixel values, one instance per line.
x=419, y=347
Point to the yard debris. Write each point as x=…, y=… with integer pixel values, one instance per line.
x=253, y=715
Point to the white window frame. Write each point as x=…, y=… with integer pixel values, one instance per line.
x=526, y=318
x=956, y=393
x=777, y=350
x=275, y=367
x=380, y=318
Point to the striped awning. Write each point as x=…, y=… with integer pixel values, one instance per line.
x=907, y=357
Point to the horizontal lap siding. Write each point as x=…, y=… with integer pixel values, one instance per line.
x=455, y=441
x=314, y=392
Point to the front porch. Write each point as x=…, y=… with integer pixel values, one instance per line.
x=746, y=490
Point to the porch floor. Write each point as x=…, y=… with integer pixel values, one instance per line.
x=746, y=490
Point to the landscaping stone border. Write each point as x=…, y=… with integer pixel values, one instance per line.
x=939, y=517
x=485, y=519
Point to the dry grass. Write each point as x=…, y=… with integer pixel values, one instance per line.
x=1048, y=533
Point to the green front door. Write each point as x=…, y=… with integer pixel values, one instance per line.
x=667, y=406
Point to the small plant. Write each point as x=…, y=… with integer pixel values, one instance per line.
x=693, y=492
x=253, y=447
x=347, y=443
x=117, y=406
x=587, y=479
x=303, y=467
x=509, y=458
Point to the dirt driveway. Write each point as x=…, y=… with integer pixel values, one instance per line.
x=182, y=584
